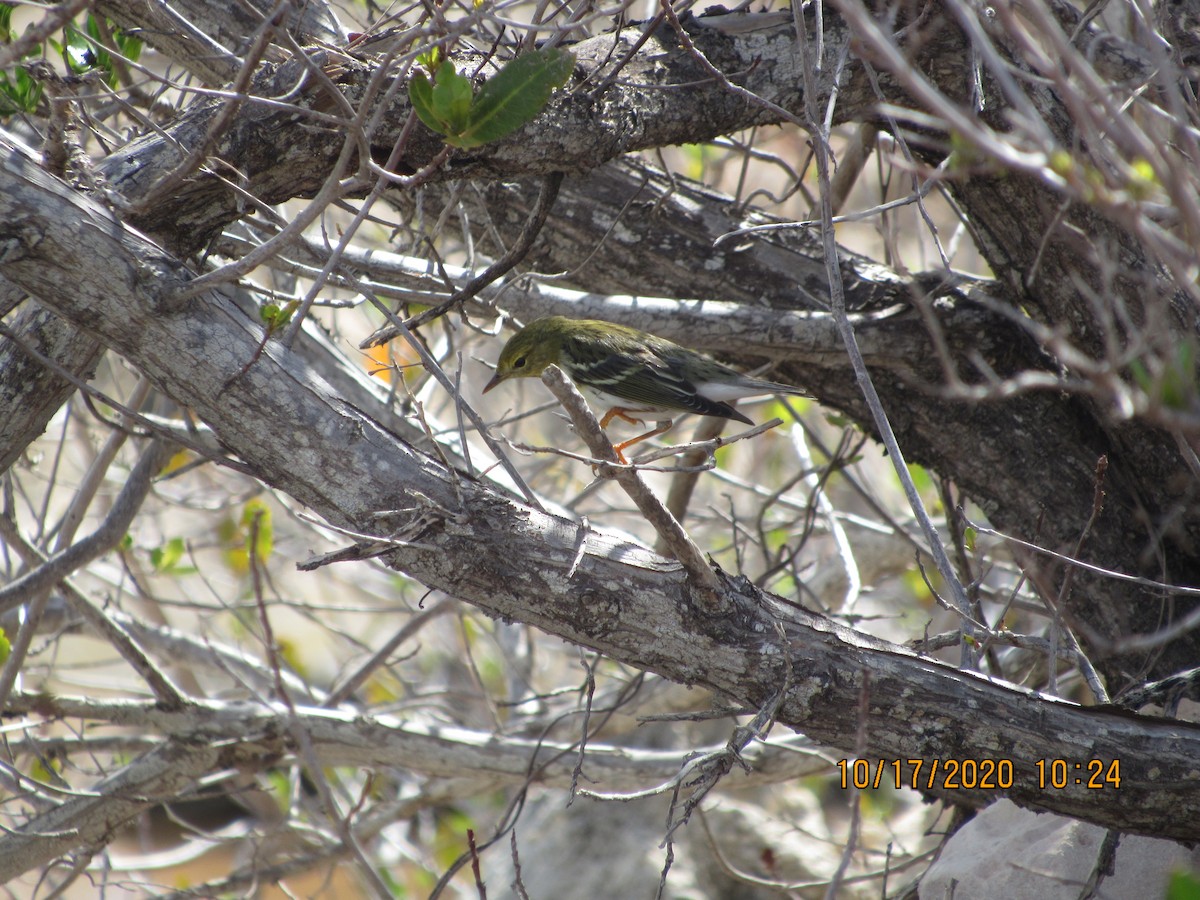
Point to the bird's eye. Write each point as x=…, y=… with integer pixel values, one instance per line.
x=519, y=362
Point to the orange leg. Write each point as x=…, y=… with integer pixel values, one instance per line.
x=619, y=412
x=662, y=426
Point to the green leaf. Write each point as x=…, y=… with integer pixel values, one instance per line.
x=1179, y=378
x=259, y=541
x=695, y=155
x=514, y=95
x=1141, y=375
x=103, y=59
x=167, y=557
x=430, y=59
x=275, y=316
x=443, y=106
x=5, y=647
x=1170, y=382
x=1183, y=885
x=237, y=536
x=21, y=93
x=420, y=95
x=921, y=478
x=390, y=881
x=451, y=97
x=130, y=46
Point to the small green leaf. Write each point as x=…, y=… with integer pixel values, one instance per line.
x=420, y=95
x=695, y=154
x=280, y=789
x=251, y=538
x=451, y=97
x=921, y=478
x=443, y=105
x=1062, y=163
x=1142, y=171
x=167, y=557
x=275, y=316
x=21, y=93
x=130, y=46
x=1170, y=382
x=431, y=59
x=1183, y=885
x=5, y=647
x=390, y=881
x=515, y=95
x=1179, y=378
x=1141, y=375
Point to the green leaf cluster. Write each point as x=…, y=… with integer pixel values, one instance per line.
x=18, y=91
x=252, y=537
x=509, y=99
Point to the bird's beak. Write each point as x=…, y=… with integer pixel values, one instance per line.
x=496, y=379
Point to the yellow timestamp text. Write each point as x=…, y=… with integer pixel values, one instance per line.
x=975, y=774
x=1093, y=774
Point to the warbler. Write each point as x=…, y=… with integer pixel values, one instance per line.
x=630, y=373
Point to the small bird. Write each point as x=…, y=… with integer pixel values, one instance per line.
x=630, y=372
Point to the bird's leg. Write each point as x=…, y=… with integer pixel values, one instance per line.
x=663, y=425
x=619, y=412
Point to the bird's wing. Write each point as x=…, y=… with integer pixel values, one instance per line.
x=641, y=376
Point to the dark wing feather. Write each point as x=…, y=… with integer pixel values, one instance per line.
x=638, y=374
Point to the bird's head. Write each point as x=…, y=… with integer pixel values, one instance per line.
x=529, y=351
